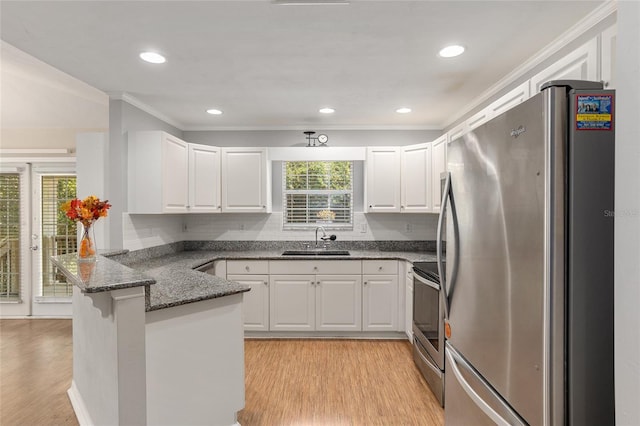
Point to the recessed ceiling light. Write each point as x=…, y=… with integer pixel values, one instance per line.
x=214, y=111
x=403, y=110
x=153, y=57
x=451, y=51
x=327, y=110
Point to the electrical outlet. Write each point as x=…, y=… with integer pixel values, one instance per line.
x=363, y=228
x=184, y=227
x=242, y=226
x=408, y=227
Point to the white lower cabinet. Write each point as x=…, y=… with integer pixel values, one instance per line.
x=380, y=302
x=339, y=302
x=324, y=295
x=255, y=304
x=316, y=302
x=292, y=302
x=380, y=295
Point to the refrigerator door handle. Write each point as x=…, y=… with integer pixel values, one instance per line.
x=443, y=208
x=455, y=362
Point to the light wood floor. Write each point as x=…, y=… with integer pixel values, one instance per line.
x=288, y=382
x=35, y=372
x=335, y=383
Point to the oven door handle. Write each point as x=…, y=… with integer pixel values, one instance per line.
x=425, y=281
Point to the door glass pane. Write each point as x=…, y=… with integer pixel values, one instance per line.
x=9, y=236
x=59, y=235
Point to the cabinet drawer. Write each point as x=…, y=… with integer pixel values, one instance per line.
x=247, y=267
x=331, y=267
x=380, y=267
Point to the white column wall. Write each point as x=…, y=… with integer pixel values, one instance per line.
x=627, y=218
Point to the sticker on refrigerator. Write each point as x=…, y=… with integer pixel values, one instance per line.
x=594, y=112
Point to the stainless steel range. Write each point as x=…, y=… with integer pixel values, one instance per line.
x=428, y=326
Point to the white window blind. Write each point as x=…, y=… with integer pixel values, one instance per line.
x=317, y=193
x=10, y=219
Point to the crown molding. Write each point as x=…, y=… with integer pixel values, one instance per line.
x=132, y=100
x=595, y=17
x=309, y=126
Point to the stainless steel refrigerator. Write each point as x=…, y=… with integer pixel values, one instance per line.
x=529, y=208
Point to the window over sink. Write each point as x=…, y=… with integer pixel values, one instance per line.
x=317, y=193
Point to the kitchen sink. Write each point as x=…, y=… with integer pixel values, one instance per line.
x=318, y=252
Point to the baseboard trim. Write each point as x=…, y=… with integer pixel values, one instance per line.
x=327, y=335
x=79, y=408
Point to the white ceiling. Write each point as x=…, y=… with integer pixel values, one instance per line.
x=272, y=66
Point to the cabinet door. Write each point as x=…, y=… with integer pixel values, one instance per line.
x=339, y=302
x=382, y=183
x=416, y=179
x=477, y=119
x=608, y=66
x=581, y=64
x=509, y=100
x=380, y=302
x=204, y=178
x=292, y=306
x=175, y=174
x=438, y=166
x=245, y=180
x=255, y=303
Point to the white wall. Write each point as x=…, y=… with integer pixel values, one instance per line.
x=627, y=219
x=42, y=107
x=124, y=118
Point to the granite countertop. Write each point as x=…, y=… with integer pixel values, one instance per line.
x=178, y=283
x=101, y=275
x=174, y=278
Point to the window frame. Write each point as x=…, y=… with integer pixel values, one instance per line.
x=328, y=192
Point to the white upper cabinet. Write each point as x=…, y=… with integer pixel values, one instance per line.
x=456, y=132
x=416, y=179
x=477, y=119
x=438, y=166
x=509, y=100
x=169, y=175
x=204, y=178
x=608, y=57
x=175, y=174
x=581, y=64
x=246, y=181
x=382, y=180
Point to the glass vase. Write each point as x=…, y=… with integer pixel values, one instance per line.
x=86, y=245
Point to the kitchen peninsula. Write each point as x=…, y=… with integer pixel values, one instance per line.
x=155, y=346
x=158, y=341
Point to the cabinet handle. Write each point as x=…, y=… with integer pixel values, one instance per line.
x=370, y=206
x=365, y=283
x=315, y=268
x=265, y=283
x=246, y=268
x=379, y=268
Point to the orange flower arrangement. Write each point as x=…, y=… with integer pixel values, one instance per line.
x=86, y=212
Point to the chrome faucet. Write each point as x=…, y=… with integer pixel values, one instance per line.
x=324, y=234
x=324, y=237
